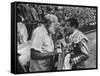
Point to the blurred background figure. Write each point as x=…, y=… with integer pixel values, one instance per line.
x=22, y=33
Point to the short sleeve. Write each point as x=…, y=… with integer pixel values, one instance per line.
x=36, y=41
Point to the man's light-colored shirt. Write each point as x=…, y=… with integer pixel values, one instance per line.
x=41, y=40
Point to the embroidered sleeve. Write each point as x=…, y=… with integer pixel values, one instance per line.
x=83, y=47
x=79, y=36
x=84, y=55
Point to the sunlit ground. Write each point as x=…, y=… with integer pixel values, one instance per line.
x=91, y=62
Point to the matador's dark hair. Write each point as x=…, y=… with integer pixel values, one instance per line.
x=73, y=22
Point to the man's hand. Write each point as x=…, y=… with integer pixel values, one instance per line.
x=75, y=60
x=78, y=59
x=59, y=50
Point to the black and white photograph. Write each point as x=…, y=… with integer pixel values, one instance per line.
x=54, y=37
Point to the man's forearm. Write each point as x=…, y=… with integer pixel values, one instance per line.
x=35, y=54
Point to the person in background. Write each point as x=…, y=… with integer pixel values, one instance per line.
x=22, y=33
x=42, y=46
x=76, y=45
x=22, y=37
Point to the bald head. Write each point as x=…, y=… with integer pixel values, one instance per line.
x=52, y=22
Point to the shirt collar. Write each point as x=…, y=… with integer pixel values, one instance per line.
x=44, y=29
x=75, y=31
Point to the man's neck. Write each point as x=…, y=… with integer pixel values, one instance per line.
x=47, y=29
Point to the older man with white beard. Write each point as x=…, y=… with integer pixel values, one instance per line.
x=42, y=46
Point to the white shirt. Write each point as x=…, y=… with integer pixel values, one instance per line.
x=23, y=31
x=41, y=41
